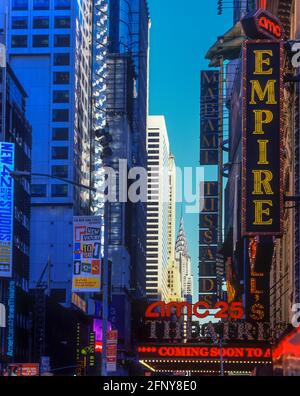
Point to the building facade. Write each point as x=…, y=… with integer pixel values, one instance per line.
x=183, y=260
x=157, y=209
x=174, y=275
x=129, y=34
x=15, y=336
x=49, y=48
x=277, y=257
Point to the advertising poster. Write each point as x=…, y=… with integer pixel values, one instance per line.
x=23, y=369
x=7, y=153
x=87, y=254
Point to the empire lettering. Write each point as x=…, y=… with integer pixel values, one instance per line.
x=262, y=139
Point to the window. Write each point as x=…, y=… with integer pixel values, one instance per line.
x=19, y=22
x=60, y=153
x=61, y=96
x=40, y=23
x=19, y=41
x=61, y=59
x=62, y=22
x=59, y=190
x=38, y=190
x=60, y=115
x=60, y=171
x=20, y=5
x=41, y=4
x=60, y=134
x=62, y=4
x=40, y=40
x=61, y=40
x=61, y=78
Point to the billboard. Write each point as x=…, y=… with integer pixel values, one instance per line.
x=208, y=240
x=262, y=195
x=7, y=160
x=87, y=254
x=23, y=369
x=209, y=117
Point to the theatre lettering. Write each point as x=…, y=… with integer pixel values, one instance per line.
x=262, y=139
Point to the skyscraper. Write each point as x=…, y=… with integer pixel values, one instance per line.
x=129, y=34
x=183, y=259
x=157, y=209
x=49, y=45
x=174, y=275
x=15, y=153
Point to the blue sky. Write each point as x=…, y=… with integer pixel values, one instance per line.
x=181, y=34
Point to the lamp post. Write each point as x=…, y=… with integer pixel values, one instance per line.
x=28, y=174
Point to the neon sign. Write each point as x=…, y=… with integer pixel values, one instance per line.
x=11, y=319
x=206, y=352
x=261, y=24
x=270, y=26
x=160, y=309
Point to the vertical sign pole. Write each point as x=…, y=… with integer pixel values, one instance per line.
x=105, y=290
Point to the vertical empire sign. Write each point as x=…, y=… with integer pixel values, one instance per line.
x=262, y=192
x=7, y=154
x=87, y=254
x=262, y=199
x=209, y=117
x=208, y=241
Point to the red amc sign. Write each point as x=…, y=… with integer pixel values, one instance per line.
x=261, y=24
x=201, y=310
x=206, y=352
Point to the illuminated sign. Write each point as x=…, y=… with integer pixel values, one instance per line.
x=87, y=254
x=111, y=351
x=261, y=24
x=23, y=369
x=7, y=154
x=208, y=240
x=205, y=351
x=98, y=346
x=78, y=302
x=11, y=319
x=258, y=278
x=92, y=349
x=160, y=309
x=209, y=115
x=262, y=197
x=195, y=331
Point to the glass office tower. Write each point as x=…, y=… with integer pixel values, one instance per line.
x=49, y=44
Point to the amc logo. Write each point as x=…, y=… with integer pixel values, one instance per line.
x=2, y=316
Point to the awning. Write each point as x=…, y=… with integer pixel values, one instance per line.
x=228, y=46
